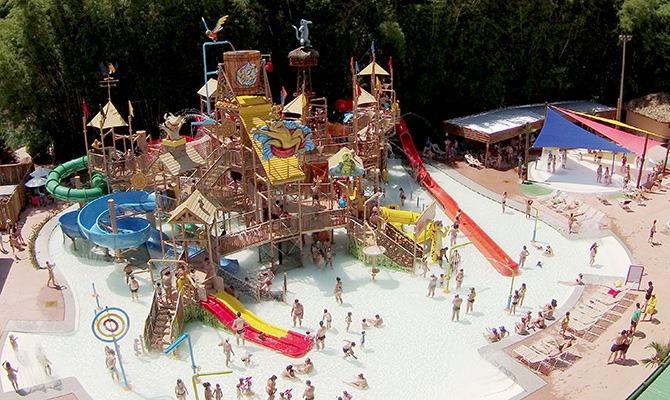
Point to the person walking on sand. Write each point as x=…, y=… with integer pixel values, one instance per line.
x=522, y=294
x=134, y=287
x=456, y=308
x=571, y=223
x=648, y=293
x=362, y=339
x=337, y=291
x=327, y=318
x=239, y=325
x=432, y=284
x=650, y=308
x=271, y=387
x=209, y=395
x=459, y=278
x=592, y=253
x=423, y=264
x=453, y=235
x=51, y=281
x=297, y=312
x=503, y=202
x=321, y=336
x=309, y=392
x=180, y=390
x=553, y=164
x=469, y=307
x=403, y=197
x=227, y=351
x=11, y=375
x=328, y=257
x=599, y=174
x=523, y=256
x=529, y=205
x=635, y=318
x=652, y=232
x=348, y=320
x=456, y=259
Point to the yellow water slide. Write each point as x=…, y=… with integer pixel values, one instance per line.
x=254, y=111
x=433, y=232
x=251, y=318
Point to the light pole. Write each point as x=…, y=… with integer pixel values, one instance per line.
x=619, y=106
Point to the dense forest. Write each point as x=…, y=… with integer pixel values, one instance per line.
x=450, y=57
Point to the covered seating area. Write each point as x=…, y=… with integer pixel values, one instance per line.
x=503, y=132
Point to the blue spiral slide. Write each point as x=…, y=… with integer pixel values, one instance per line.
x=93, y=223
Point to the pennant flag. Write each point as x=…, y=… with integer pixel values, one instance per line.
x=283, y=95
x=372, y=48
x=85, y=109
x=131, y=111
x=378, y=85
x=357, y=69
x=390, y=64
x=359, y=90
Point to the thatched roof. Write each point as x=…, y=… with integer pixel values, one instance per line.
x=655, y=106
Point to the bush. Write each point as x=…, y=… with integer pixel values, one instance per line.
x=194, y=313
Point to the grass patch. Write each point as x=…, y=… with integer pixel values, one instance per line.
x=534, y=190
x=194, y=313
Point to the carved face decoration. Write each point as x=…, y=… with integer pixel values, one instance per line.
x=283, y=139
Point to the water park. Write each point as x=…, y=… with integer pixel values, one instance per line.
x=266, y=245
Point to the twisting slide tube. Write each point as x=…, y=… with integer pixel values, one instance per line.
x=502, y=262
x=74, y=195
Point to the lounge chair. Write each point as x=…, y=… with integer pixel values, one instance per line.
x=603, y=199
x=473, y=162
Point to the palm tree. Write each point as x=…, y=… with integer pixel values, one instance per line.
x=661, y=353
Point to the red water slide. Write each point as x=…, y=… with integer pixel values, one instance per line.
x=293, y=344
x=502, y=262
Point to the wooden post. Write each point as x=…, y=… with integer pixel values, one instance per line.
x=644, y=154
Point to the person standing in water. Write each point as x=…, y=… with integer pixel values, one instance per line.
x=180, y=390
x=297, y=312
x=227, y=351
x=515, y=302
x=309, y=392
x=321, y=336
x=522, y=294
x=523, y=255
x=337, y=291
x=239, y=325
x=403, y=197
x=348, y=320
x=469, y=307
x=327, y=318
x=110, y=363
x=459, y=278
x=456, y=308
x=134, y=287
x=503, y=202
x=11, y=375
x=593, y=251
x=218, y=393
x=271, y=387
x=432, y=284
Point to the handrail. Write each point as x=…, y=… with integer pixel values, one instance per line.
x=149, y=322
x=177, y=323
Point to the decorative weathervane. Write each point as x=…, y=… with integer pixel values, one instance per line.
x=302, y=33
x=213, y=33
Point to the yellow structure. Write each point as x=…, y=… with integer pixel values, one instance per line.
x=254, y=110
x=433, y=232
x=251, y=318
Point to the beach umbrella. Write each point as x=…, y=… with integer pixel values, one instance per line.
x=40, y=172
x=36, y=182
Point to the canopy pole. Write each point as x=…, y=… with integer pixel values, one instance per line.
x=613, y=159
x=644, y=154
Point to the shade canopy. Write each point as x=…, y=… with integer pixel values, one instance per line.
x=365, y=98
x=209, y=90
x=378, y=70
x=296, y=106
x=36, y=182
x=40, y=172
x=559, y=132
x=632, y=142
x=107, y=118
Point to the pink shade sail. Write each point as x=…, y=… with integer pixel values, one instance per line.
x=630, y=141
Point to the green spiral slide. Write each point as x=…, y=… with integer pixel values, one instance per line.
x=65, y=193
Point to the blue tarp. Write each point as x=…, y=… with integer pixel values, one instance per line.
x=559, y=132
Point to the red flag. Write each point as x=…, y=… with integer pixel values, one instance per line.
x=85, y=110
x=358, y=90
x=391, y=64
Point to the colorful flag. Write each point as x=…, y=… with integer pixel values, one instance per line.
x=372, y=48
x=85, y=109
x=283, y=95
x=358, y=69
x=131, y=111
x=359, y=90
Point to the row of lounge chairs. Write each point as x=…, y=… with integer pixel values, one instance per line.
x=588, y=321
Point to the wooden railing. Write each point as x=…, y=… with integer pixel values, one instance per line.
x=149, y=323
x=395, y=252
x=177, y=323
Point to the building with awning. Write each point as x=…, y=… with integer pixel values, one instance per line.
x=650, y=112
x=495, y=126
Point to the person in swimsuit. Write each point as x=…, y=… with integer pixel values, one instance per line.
x=180, y=390
x=271, y=387
x=209, y=395
x=456, y=308
x=321, y=336
x=306, y=367
x=523, y=256
x=238, y=326
x=308, y=394
x=134, y=287
x=635, y=318
x=297, y=312
x=469, y=307
x=592, y=253
x=327, y=318
x=522, y=294
x=218, y=392
x=503, y=202
x=348, y=320
x=378, y=321
x=402, y=196
x=432, y=284
x=110, y=363
x=360, y=382
x=648, y=293
x=617, y=344
x=529, y=205
x=227, y=350
x=565, y=324
x=459, y=278
x=515, y=302
x=11, y=375
x=338, y=290
x=348, y=349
